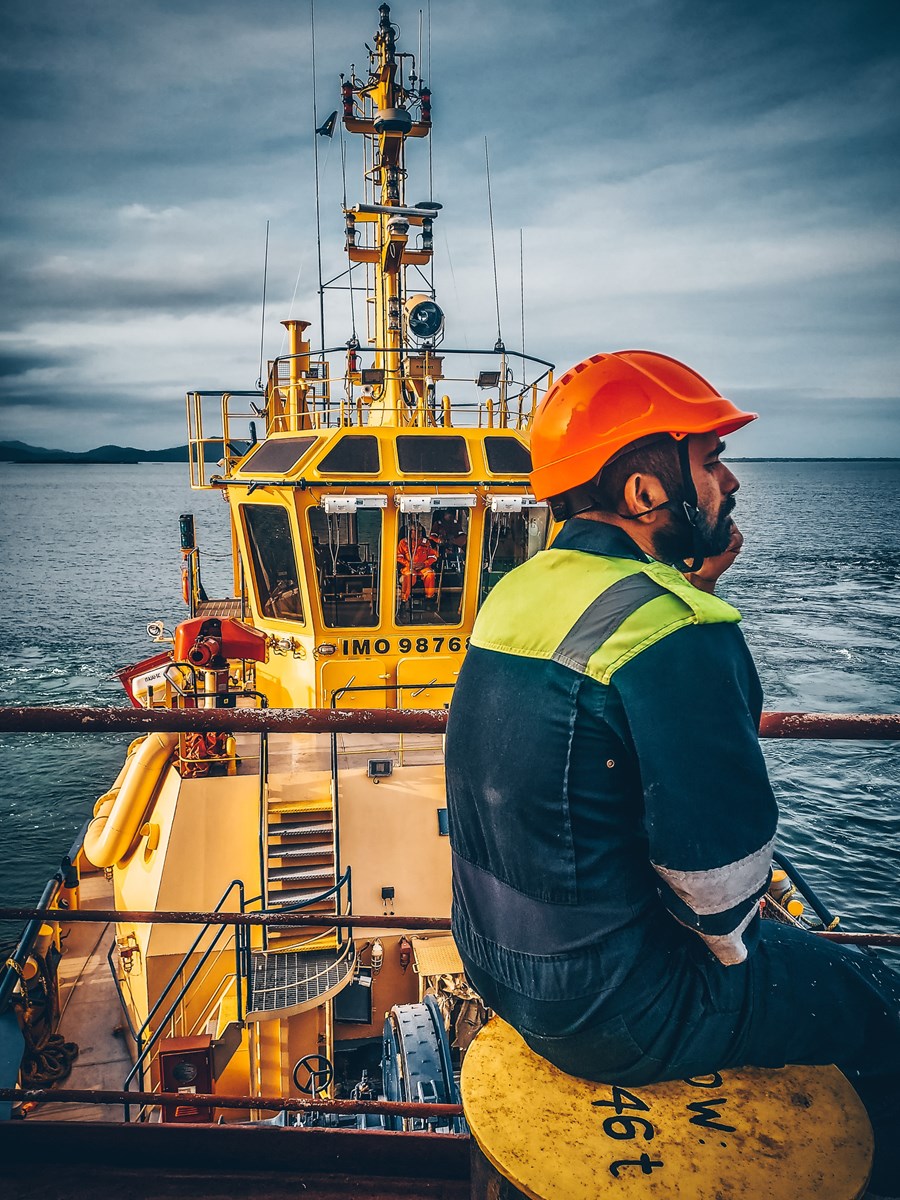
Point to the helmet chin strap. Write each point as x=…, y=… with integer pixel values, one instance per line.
x=690, y=505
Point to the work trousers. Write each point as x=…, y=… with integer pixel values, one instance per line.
x=796, y=999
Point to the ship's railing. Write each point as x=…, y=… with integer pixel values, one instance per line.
x=493, y=389
x=334, y=386
x=237, y=925
x=216, y=449
x=54, y=899
x=155, y=1026
x=70, y=719
x=397, y=744
x=284, y=721
x=275, y=920
x=148, y=1035
x=290, y=1104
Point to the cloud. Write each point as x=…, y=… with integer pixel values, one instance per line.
x=713, y=180
x=140, y=212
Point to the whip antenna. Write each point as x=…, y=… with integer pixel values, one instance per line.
x=430, y=132
x=487, y=167
x=522, y=289
x=262, y=326
x=312, y=25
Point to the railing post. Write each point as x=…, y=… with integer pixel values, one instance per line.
x=263, y=824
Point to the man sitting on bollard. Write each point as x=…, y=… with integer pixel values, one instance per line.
x=611, y=817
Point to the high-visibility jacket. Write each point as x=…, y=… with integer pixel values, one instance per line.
x=606, y=788
x=417, y=557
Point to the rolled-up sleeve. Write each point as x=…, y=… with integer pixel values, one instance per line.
x=692, y=705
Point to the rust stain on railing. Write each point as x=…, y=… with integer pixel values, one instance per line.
x=841, y=726
x=837, y=726
x=229, y=720
x=272, y=920
x=394, y=1108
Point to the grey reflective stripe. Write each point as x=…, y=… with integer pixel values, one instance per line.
x=721, y=888
x=729, y=948
x=602, y=618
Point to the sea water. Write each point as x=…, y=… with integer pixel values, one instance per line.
x=90, y=555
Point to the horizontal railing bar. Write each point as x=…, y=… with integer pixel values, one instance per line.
x=290, y=919
x=272, y=920
x=837, y=726
x=859, y=939
x=318, y=484
x=393, y=1108
x=63, y=719
x=229, y=720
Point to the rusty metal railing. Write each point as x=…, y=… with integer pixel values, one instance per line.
x=832, y=726
x=272, y=920
x=394, y=1108
x=233, y=720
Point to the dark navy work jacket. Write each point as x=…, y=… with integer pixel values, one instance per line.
x=609, y=803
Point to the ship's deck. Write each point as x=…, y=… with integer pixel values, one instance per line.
x=292, y=755
x=91, y=1012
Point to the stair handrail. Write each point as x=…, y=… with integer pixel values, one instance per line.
x=219, y=993
x=334, y=890
x=144, y=1048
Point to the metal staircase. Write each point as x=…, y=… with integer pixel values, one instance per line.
x=301, y=865
x=301, y=966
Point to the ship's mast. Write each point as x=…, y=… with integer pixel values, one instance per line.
x=387, y=111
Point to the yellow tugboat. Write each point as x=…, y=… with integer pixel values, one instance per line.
x=377, y=492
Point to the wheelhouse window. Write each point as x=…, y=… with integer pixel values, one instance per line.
x=347, y=549
x=354, y=454
x=278, y=455
x=506, y=456
x=510, y=537
x=268, y=532
x=431, y=566
x=437, y=454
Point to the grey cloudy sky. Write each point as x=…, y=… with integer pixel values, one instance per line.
x=712, y=179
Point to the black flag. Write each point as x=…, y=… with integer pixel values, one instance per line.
x=327, y=129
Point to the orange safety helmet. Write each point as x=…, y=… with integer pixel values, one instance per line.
x=603, y=404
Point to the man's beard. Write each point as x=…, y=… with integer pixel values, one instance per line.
x=680, y=540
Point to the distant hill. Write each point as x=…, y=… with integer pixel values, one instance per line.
x=21, y=452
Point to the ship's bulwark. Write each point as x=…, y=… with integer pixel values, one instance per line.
x=49, y=1161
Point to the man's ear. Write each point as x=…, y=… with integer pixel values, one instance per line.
x=642, y=493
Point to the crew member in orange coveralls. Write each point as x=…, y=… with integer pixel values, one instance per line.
x=416, y=557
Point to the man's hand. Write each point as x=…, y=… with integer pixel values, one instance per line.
x=705, y=578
